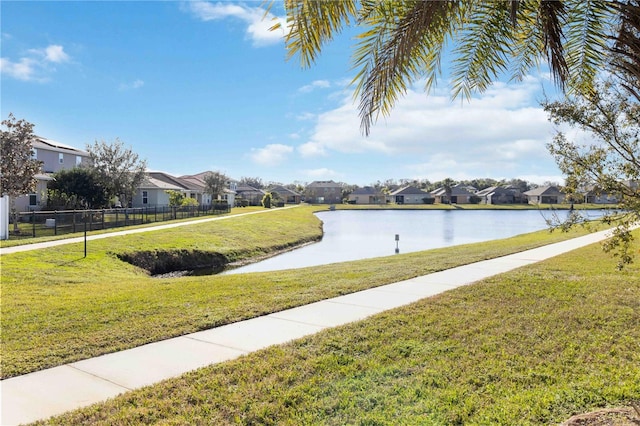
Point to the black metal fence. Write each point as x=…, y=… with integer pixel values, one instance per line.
x=48, y=223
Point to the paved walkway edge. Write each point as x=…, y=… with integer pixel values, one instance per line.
x=39, y=395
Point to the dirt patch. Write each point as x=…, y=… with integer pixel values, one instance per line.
x=159, y=262
x=178, y=263
x=624, y=416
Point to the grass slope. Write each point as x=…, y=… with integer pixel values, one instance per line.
x=529, y=347
x=58, y=307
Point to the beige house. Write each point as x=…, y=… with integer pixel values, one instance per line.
x=323, y=192
x=545, y=195
x=367, y=195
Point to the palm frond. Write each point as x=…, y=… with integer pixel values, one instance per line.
x=552, y=18
x=404, y=41
x=313, y=24
x=626, y=49
x=587, y=39
x=484, y=48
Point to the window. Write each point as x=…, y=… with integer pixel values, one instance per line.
x=78, y=160
x=60, y=158
x=145, y=197
x=33, y=200
x=34, y=153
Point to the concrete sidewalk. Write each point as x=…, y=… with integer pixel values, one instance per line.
x=42, y=394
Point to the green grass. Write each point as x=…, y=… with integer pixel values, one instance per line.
x=58, y=307
x=26, y=238
x=529, y=347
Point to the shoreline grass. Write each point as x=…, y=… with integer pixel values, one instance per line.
x=59, y=308
x=528, y=347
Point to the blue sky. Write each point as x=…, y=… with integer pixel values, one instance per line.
x=195, y=86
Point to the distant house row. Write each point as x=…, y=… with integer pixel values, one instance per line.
x=463, y=194
x=153, y=191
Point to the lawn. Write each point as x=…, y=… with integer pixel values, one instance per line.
x=58, y=307
x=529, y=347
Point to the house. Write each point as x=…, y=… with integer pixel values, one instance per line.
x=252, y=196
x=287, y=195
x=323, y=192
x=459, y=194
x=152, y=190
x=197, y=184
x=499, y=195
x=593, y=194
x=409, y=195
x=367, y=195
x=54, y=156
x=547, y=194
x=198, y=181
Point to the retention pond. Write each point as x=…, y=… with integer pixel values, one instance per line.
x=361, y=234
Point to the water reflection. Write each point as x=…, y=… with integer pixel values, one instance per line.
x=356, y=234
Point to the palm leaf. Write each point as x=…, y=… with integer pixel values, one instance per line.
x=313, y=24
x=404, y=42
x=588, y=21
x=484, y=48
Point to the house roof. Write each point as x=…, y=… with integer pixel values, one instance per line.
x=367, y=190
x=240, y=189
x=495, y=190
x=43, y=143
x=544, y=190
x=455, y=190
x=463, y=190
x=193, y=182
x=409, y=190
x=283, y=191
x=157, y=182
x=323, y=184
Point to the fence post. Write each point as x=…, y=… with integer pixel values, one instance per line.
x=55, y=222
x=74, y=221
x=90, y=221
x=33, y=222
x=102, y=218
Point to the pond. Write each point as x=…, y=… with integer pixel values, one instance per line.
x=357, y=234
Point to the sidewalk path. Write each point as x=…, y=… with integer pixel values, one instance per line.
x=45, y=393
x=37, y=246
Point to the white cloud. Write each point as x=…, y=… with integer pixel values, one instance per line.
x=312, y=149
x=36, y=65
x=258, y=25
x=305, y=116
x=271, y=155
x=318, y=84
x=131, y=86
x=500, y=133
x=25, y=69
x=321, y=173
x=55, y=53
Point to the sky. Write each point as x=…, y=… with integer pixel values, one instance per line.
x=195, y=86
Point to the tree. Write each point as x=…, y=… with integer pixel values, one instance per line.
x=254, y=182
x=18, y=168
x=215, y=184
x=266, y=200
x=175, y=197
x=76, y=188
x=611, y=161
x=404, y=41
x=119, y=169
